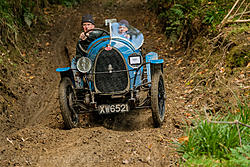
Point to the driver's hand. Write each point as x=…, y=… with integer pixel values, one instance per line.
x=82, y=36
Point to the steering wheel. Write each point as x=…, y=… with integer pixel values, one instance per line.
x=95, y=33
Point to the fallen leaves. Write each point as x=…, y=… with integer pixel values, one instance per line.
x=222, y=70
x=179, y=62
x=150, y=146
x=189, y=82
x=187, y=114
x=183, y=139
x=31, y=77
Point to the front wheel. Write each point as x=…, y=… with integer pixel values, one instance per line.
x=66, y=98
x=158, y=98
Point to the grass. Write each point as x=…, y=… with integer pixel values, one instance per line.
x=212, y=144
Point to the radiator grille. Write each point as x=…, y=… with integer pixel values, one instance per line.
x=111, y=75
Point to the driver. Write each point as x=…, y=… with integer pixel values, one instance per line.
x=87, y=25
x=83, y=43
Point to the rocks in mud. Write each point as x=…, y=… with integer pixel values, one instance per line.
x=125, y=161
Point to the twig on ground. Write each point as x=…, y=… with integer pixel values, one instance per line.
x=225, y=122
x=10, y=141
x=237, y=125
x=236, y=122
x=217, y=78
x=226, y=48
x=196, y=86
x=215, y=39
x=195, y=71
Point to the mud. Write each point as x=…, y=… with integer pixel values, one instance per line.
x=36, y=136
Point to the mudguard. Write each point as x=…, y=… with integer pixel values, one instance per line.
x=152, y=60
x=66, y=72
x=63, y=69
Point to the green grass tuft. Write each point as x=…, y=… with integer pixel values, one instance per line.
x=211, y=144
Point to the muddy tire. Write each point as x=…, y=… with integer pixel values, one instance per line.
x=158, y=98
x=66, y=96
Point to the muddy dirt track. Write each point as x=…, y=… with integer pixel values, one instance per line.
x=38, y=138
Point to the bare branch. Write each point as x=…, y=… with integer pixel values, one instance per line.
x=237, y=125
x=225, y=122
x=238, y=8
x=235, y=122
x=244, y=11
x=238, y=14
x=225, y=18
x=238, y=21
x=244, y=125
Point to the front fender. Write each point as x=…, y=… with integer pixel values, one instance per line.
x=66, y=72
x=153, y=62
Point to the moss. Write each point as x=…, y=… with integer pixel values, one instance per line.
x=238, y=56
x=236, y=29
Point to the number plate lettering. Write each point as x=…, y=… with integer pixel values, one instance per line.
x=113, y=108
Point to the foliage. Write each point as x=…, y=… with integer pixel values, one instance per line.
x=175, y=21
x=186, y=19
x=210, y=143
x=240, y=155
x=64, y=2
x=23, y=13
x=8, y=24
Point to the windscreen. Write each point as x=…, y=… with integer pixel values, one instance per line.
x=133, y=36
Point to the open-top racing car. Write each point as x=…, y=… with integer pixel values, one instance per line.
x=113, y=74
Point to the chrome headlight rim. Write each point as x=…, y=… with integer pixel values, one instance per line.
x=84, y=64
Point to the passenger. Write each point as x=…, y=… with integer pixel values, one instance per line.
x=123, y=29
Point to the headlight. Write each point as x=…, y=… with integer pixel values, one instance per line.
x=134, y=60
x=84, y=64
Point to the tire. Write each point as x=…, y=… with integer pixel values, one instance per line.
x=158, y=98
x=66, y=94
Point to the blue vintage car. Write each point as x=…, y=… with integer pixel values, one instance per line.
x=114, y=73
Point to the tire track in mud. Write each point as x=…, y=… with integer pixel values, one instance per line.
x=127, y=140
x=46, y=100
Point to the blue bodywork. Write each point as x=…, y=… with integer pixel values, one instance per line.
x=126, y=47
x=63, y=69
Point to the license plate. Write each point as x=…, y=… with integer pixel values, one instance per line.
x=112, y=108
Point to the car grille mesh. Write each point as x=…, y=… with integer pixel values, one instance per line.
x=110, y=72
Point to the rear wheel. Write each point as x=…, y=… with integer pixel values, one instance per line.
x=66, y=98
x=158, y=98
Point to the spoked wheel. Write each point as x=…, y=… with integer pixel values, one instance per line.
x=66, y=98
x=158, y=98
